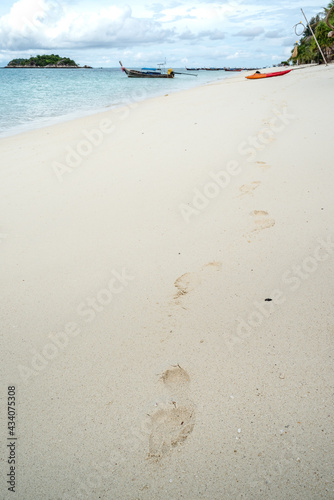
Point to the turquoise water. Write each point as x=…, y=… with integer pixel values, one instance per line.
x=33, y=98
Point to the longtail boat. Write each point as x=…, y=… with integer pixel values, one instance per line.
x=147, y=72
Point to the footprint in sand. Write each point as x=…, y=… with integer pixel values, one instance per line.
x=189, y=281
x=263, y=164
x=173, y=422
x=261, y=220
x=186, y=283
x=249, y=188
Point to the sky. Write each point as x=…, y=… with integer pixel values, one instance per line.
x=192, y=33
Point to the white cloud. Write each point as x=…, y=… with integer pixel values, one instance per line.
x=213, y=35
x=274, y=34
x=187, y=35
x=33, y=24
x=238, y=55
x=208, y=34
x=250, y=32
x=193, y=30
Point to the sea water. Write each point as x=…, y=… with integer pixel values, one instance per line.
x=36, y=97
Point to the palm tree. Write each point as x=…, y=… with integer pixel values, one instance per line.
x=321, y=24
x=329, y=11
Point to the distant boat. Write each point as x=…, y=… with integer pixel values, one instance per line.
x=215, y=69
x=234, y=69
x=258, y=75
x=147, y=72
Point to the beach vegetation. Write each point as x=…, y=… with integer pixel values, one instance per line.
x=321, y=32
x=42, y=61
x=308, y=51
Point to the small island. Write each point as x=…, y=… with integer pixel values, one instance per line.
x=45, y=61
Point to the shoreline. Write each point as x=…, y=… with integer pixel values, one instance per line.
x=41, y=123
x=166, y=295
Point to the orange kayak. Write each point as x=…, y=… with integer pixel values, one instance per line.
x=268, y=75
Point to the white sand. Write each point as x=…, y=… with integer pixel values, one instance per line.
x=183, y=383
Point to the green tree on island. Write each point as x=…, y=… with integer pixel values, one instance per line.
x=43, y=60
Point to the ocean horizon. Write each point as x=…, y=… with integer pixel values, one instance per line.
x=37, y=97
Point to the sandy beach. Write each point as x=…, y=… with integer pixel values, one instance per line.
x=167, y=297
